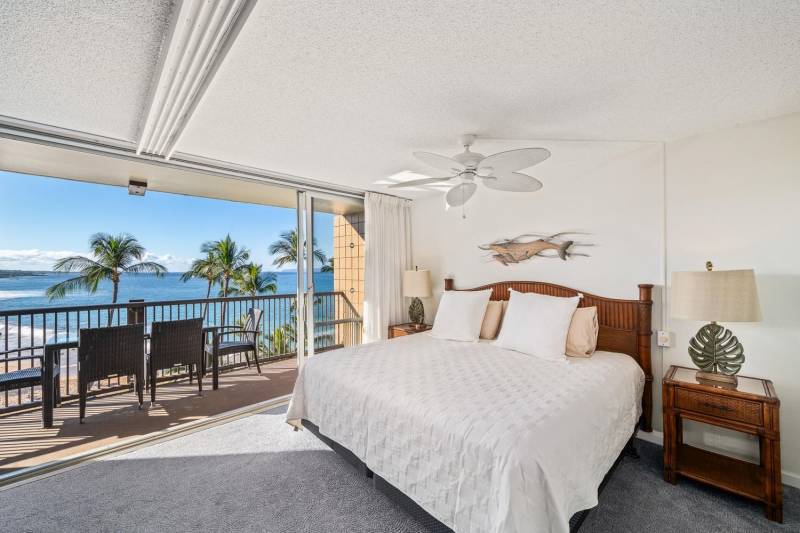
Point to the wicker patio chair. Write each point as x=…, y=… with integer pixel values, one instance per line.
x=245, y=340
x=107, y=352
x=24, y=378
x=176, y=343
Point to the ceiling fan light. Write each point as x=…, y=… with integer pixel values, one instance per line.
x=469, y=159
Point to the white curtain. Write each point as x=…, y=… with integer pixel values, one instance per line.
x=387, y=233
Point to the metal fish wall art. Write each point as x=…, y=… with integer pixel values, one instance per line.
x=529, y=245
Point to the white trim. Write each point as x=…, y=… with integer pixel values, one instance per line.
x=65, y=135
x=790, y=478
x=657, y=437
x=308, y=235
x=653, y=437
x=300, y=301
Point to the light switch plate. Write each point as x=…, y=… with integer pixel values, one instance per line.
x=664, y=339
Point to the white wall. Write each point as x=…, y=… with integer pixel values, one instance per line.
x=611, y=190
x=732, y=197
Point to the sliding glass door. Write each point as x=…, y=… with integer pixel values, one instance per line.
x=330, y=266
x=305, y=275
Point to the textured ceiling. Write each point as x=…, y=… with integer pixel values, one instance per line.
x=344, y=91
x=85, y=65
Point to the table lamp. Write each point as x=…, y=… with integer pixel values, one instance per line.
x=716, y=296
x=416, y=285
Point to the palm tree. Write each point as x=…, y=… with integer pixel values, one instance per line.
x=229, y=260
x=285, y=250
x=113, y=255
x=203, y=268
x=282, y=340
x=250, y=281
x=327, y=267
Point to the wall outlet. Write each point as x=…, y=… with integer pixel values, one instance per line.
x=664, y=339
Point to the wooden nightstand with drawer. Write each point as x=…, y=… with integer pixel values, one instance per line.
x=753, y=407
x=401, y=330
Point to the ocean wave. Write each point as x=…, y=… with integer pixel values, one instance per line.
x=11, y=295
x=23, y=336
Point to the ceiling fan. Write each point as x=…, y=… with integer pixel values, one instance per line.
x=497, y=171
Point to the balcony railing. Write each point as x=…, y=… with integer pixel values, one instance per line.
x=25, y=332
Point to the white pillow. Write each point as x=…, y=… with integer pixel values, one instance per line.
x=536, y=324
x=460, y=315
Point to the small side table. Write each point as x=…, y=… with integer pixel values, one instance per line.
x=753, y=407
x=401, y=330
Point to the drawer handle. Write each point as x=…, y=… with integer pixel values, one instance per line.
x=720, y=407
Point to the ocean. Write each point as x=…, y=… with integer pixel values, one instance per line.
x=26, y=292
x=18, y=292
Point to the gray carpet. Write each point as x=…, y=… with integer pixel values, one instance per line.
x=255, y=474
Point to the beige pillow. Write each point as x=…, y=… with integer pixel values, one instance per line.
x=492, y=319
x=583, y=331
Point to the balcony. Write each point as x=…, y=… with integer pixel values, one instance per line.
x=112, y=410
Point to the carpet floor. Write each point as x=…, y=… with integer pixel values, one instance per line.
x=255, y=474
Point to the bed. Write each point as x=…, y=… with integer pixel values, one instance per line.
x=484, y=439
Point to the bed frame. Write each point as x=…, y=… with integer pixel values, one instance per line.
x=625, y=327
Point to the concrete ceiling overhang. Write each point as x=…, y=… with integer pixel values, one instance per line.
x=34, y=158
x=343, y=92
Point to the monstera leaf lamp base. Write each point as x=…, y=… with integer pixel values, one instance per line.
x=718, y=354
x=416, y=312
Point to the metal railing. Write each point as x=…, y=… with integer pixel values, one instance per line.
x=25, y=332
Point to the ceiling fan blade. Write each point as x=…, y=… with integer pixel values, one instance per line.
x=414, y=183
x=513, y=160
x=512, y=181
x=459, y=194
x=439, y=161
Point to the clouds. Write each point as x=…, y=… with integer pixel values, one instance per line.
x=32, y=259
x=171, y=262
x=36, y=259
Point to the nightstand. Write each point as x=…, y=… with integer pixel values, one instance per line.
x=401, y=330
x=753, y=407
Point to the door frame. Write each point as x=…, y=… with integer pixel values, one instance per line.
x=305, y=276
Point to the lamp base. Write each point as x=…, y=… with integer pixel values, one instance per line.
x=716, y=379
x=416, y=312
x=715, y=349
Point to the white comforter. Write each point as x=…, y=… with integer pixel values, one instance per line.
x=484, y=439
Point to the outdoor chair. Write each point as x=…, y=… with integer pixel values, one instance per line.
x=227, y=340
x=176, y=343
x=23, y=378
x=108, y=352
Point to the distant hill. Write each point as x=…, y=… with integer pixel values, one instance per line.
x=21, y=273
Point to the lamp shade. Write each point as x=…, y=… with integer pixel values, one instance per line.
x=417, y=283
x=715, y=296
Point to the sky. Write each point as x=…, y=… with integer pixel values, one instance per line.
x=43, y=219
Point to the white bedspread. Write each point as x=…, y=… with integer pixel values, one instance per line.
x=484, y=439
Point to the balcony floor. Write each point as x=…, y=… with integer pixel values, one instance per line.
x=116, y=417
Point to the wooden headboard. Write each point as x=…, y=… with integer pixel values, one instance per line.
x=625, y=325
